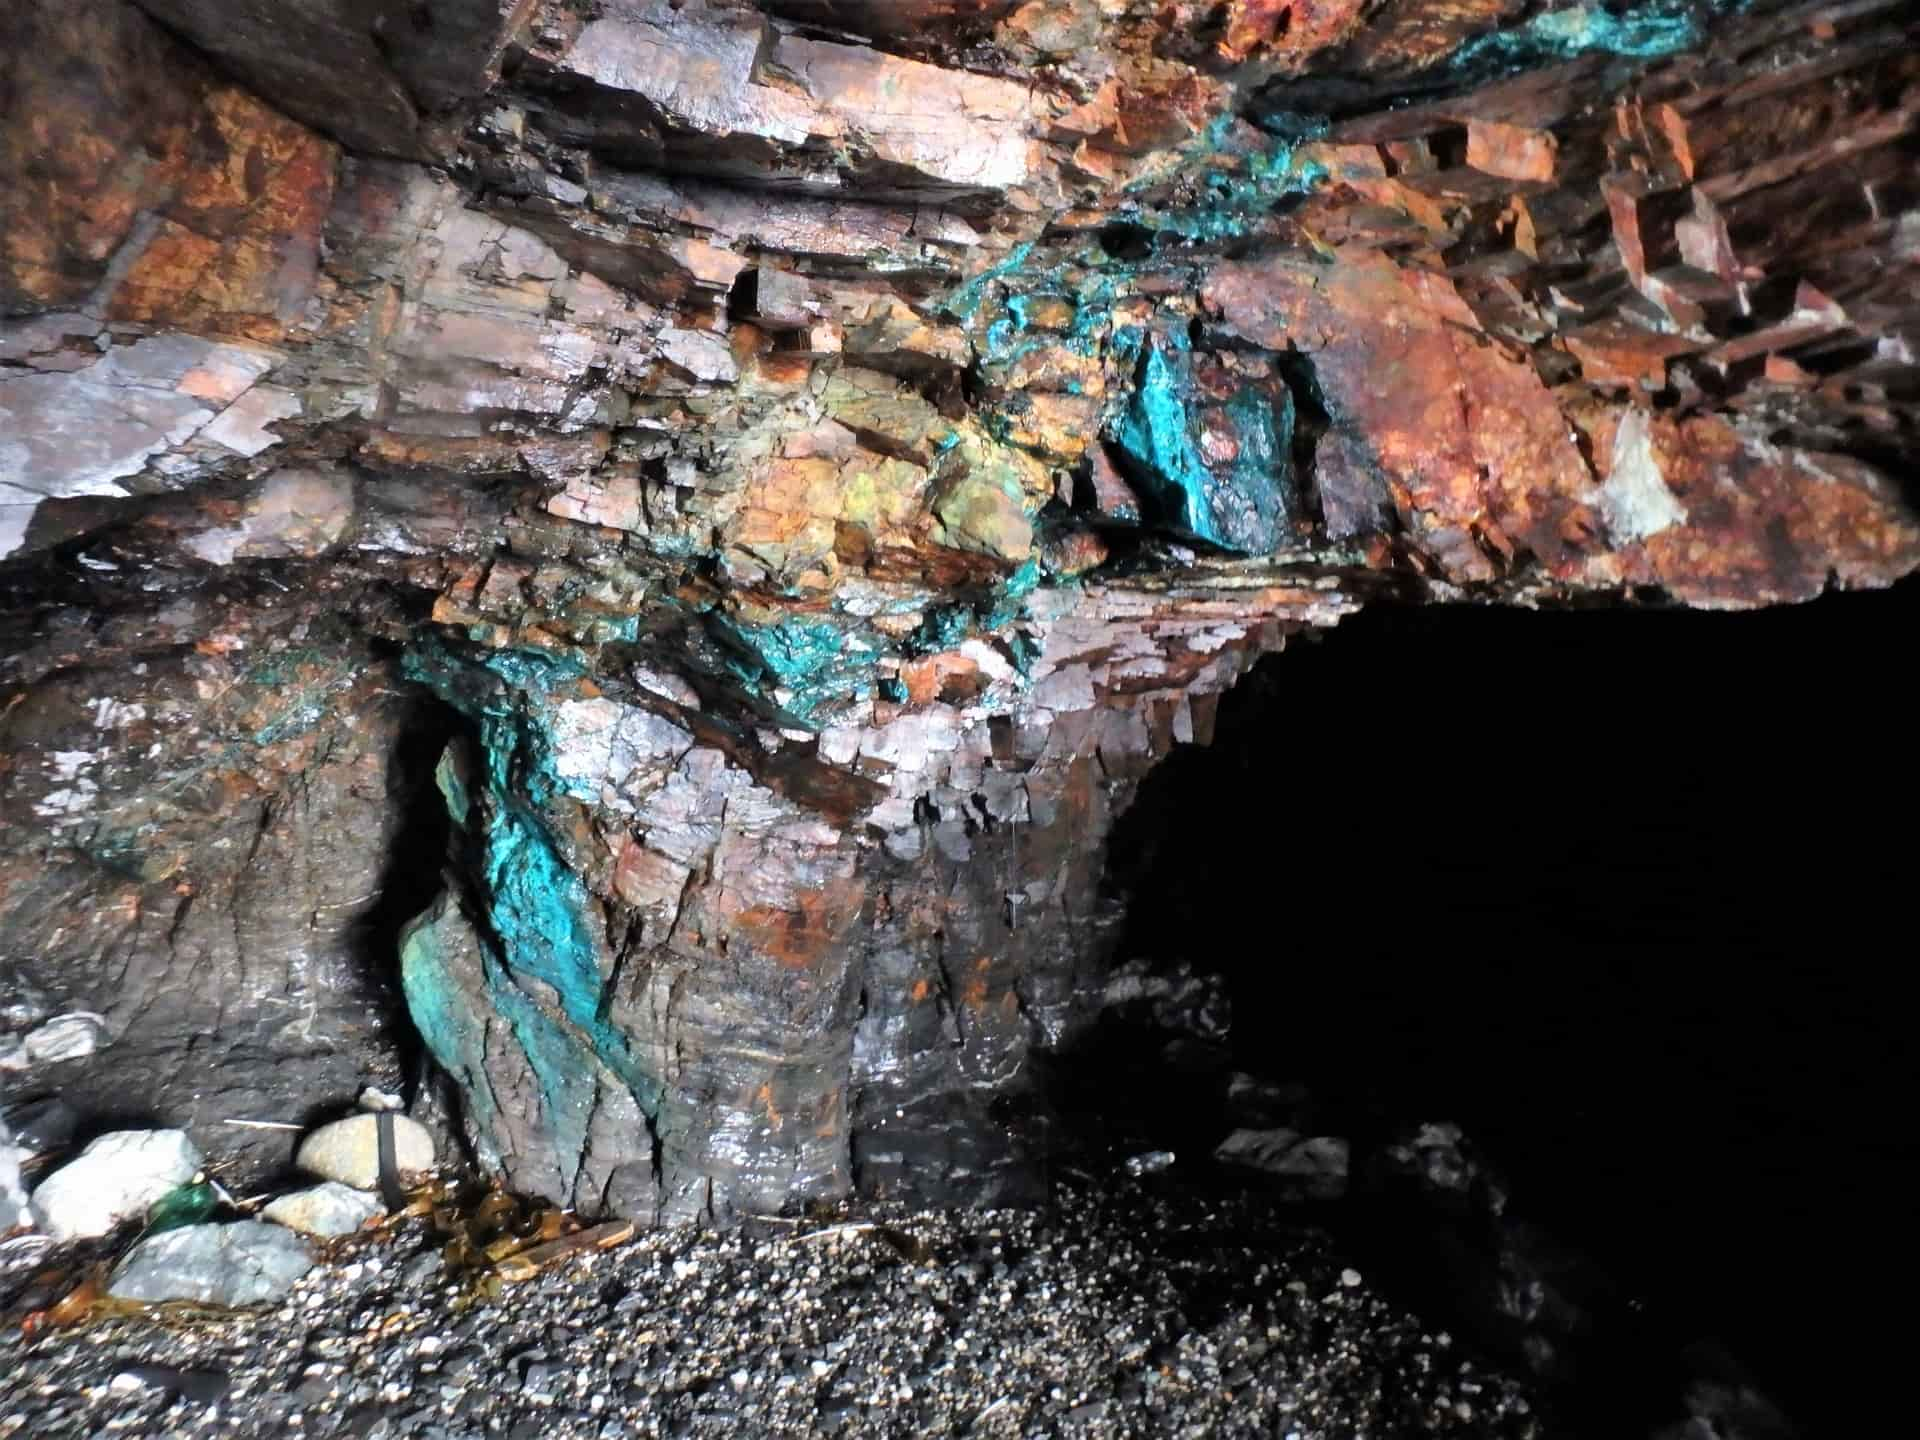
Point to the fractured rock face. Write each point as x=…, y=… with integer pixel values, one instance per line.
x=215, y=811
x=369, y=74
x=665, y=601
x=714, y=88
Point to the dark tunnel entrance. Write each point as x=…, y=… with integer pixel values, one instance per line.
x=1619, y=893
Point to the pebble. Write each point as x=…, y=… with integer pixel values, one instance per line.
x=113, y=1180
x=203, y=1387
x=325, y=1211
x=13, y=1192
x=65, y=1037
x=349, y=1150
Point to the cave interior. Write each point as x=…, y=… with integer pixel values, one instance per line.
x=762, y=603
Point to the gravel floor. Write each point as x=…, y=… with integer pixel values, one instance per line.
x=1120, y=1312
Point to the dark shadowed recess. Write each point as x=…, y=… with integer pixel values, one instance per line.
x=416, y=862
x=1628, y=895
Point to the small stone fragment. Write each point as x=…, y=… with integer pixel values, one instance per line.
x=114, y=1179
x=1514, y=152
x=243, y=1263
x=202, y=1387
x=1316, y=1165
x=324, y=1210
x=349, y=1150
x=65, y=1037
x=13, y=1195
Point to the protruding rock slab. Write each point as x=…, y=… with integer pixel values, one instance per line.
x=362, y=70
x=113, y=1180
x=65, y=1037
x=244, y=1263
x=349, y=1150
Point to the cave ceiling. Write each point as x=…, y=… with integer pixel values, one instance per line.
x=765, y=481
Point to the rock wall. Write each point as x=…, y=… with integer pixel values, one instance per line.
x=641, y=546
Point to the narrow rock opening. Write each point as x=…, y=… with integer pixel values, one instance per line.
x=414, y=871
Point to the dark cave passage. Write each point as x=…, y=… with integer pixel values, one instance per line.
x=415, y=868
x=1615, y=892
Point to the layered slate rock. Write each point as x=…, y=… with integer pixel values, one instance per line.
x=373, y=74
x=632, y=552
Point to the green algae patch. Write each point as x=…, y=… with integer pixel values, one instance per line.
x=1214, y=467
x=1156, y=434
x=1229, y=186
x=965, y=300
x=945, y=627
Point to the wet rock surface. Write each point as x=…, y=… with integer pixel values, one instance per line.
x=1127, y=1313
x=13, y=1192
